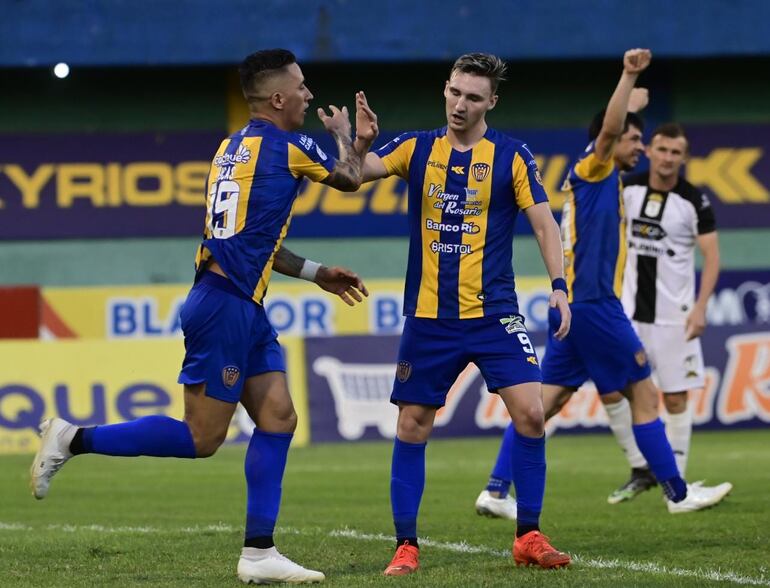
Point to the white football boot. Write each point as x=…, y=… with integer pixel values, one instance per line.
x=498, y=508
x=267, y=566
x=700, y=497
x=56, y=436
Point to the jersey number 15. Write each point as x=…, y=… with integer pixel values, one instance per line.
x=223, y=208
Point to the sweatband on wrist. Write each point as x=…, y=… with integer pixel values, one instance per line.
x=559, y=284
x=309, y=270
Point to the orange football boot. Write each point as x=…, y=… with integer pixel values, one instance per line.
x=406, y=561
x=534, y=549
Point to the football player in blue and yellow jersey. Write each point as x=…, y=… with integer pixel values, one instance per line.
x=467, y=182
x=232, y=354
x=602, y=344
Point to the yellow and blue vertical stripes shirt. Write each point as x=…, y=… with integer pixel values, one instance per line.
x=593, y=229
x=462, y=211
x=251, y=189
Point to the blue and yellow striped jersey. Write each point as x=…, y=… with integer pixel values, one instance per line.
x=593, y=229
x=462, y=210
x=251, y=189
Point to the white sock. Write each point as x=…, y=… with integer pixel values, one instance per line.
x=620, y=422
x=256, y=554
x=679, y=431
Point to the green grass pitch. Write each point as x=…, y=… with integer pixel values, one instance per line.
x=165, y=522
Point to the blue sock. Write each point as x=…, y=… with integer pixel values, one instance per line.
x=265, y=464
x=158, y=436
x=653, y=443
x=529, y=477
x=502, y=474
x=407, y=481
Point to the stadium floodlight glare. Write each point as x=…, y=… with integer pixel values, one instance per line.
x=61, y=70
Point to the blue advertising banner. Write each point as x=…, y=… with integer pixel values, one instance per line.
x=350, y=377
x=350, y=380
x=152, y=185
x=103, y=186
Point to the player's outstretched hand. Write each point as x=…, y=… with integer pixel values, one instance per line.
x=366, y=121
x=558, y=300
x=639, y=99
x=635, y=61
x=339, y=121
x=342, y=282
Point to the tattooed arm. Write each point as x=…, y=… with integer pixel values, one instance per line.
x=347, y=174
x=287, y=263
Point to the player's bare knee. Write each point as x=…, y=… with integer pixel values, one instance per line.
x=611, y=398
x=206, y=438
x=278, y=419
x=675, y=403
x=530, y=421
x=289, y=420
x=414, y=428
x=207, y=443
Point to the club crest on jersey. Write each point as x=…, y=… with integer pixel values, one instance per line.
x=403, y=371
x=230, y=375
x=513, y=324
x=640, y=357
x=653, y=206
x=480, y=171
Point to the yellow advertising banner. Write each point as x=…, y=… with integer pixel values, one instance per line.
x=295, y=308
x=95, y=382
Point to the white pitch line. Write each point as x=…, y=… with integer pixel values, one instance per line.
x=462, y=547
x=598, y=563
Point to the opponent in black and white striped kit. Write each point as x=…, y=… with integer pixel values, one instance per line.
x=659, y=279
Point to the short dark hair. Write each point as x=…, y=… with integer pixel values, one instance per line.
x=632, y=119
x=482, y=64
x=259, y=66
x=671, y=130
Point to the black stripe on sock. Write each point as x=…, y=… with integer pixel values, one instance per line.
x=265, y=542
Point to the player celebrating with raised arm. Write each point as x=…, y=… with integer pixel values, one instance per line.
x=467, y=183
x=666, y=218
x=602, y=344
x=232, y=352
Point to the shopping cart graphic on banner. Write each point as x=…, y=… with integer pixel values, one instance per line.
x=361, y=394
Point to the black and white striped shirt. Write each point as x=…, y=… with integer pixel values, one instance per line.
x=662, y=227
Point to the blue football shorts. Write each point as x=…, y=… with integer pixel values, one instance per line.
x=601, y=345
x=433, y=352
x=227, y=338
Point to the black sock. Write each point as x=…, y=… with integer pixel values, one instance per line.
x=76, y=445
x=265, y=542
x=412, y=541
x=522, y=530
